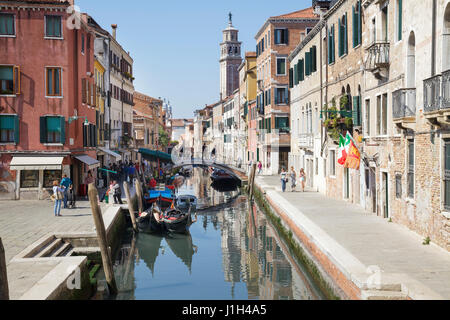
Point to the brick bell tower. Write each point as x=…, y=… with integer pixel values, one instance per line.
x=230, y=59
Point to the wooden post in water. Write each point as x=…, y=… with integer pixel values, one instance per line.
x=139, y=192
x=4, y=289
x=252, y=182
x=131, y=208
x=102, y=239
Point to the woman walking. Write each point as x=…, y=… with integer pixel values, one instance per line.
x=284, y=179
x=58, y=195
x=303, y=178
x=293, y=179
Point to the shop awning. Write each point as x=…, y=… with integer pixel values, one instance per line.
x=111, y=153
x=36, y=163
x=90, y=162
x=154, y=154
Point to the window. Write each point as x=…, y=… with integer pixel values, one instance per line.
x=9, y=129
x=90, y=135
x=9, y=80
x=384, y=114
x=281, y=96
x=52, y=129
x=282, y=124
x=53, y=81
x=357, y=20
x=410, y=168
x=291, y=76
x=281, y=36
x=281, y=66
x=300, y=70
x=7, y=27
x=53, y=27
x=356, y=111
x=343, y=43
x=29, y=178
x=367, y=111
x=447, y=174
x=332, y=162
x=399, y=19
x=50, y=176
x=398, y=186
x=331, y=45
x=82, y=43
x=379, y=115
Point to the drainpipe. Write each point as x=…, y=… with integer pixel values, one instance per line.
x=433, y=41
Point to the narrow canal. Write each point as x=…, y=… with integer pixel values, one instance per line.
x=232, y=252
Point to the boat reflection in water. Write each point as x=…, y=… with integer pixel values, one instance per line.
x=233, y=252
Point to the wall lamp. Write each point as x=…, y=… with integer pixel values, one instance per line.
x=72, y=119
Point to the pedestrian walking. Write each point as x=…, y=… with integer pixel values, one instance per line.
x=66, y=183
x=284, y=179
x=90, y=178
x=117, y=193
x=259, y=167
x=293, y=177
x=58, y=196
x=302, y=178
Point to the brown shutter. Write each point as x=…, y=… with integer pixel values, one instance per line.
x=83, y=90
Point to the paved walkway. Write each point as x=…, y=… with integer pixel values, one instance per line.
x=371, y=240
x=22, y=223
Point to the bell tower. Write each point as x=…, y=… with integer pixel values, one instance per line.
x=230, y=59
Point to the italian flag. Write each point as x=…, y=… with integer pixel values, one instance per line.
x=342, y=151
x=344, y=147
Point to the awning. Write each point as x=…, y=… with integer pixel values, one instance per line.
x=90, y=162
x=36, y=163
x=154, y=154
x=111, y=153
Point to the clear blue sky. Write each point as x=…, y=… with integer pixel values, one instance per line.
x=175, y=43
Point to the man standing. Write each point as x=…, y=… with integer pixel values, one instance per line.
x=117, y=193
x=66, y=183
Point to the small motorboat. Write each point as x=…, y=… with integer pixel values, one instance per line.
x=186, y=201
x=220, y=175
x=176, y=221
x=150, y=221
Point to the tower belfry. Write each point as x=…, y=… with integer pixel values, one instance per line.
x=230, y=59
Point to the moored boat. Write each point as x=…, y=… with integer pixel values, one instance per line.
x=186, y=201
x=150, y=220
x=176, y=221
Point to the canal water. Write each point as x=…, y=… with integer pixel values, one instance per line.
x=232, y=252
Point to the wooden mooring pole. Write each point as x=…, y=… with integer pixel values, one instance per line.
x=139, y=192
x=252, y=182
x=102, y=239
x=131, y=207
x=4, y=290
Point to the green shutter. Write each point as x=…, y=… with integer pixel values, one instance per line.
x=302, y=70
x=340, y=40
x=7, y=122
x=356, y=112
x=314, y=59
x=53, y=124
x=333, y=51
x=291, y=80
x=307, y=62
x=63, y=129
x=16, y=129
x=354, y=27
x=346, y=34
x=296, y=79
x=43, y=129
x=359, y=22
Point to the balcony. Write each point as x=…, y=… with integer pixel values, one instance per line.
x=436, y=98
x=378, y=58
x=305, y=140
x=404, y=107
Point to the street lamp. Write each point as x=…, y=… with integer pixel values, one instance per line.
x=72, y=119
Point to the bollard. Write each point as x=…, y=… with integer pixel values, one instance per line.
x=102, y=240
x=131, y=208
x=139, y=192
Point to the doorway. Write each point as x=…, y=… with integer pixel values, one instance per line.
x=346, y=183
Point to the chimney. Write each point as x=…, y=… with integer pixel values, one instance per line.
x=114, y=27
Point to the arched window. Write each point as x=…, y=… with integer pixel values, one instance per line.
x=446, y=40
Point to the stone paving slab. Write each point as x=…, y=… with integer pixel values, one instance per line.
x=370, y=239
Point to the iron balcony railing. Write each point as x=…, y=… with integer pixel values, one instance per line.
x=378, y=56
x=305, y=140
x=436, y=92
x=404, y=103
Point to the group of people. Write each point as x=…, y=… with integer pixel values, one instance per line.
x=292, y=175
x=124, y=170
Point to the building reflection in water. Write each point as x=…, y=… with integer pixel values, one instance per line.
x=252, y=252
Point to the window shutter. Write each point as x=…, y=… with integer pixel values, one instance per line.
x=340, y=39
x=301, y=70
x=85, y=135
x=356, y=111
x=307, y=63
x=333, y=43
x=354, y=27
x=359, y=22
x=83, y=90
x=43, y=129
x=291, y=74
x=286, y=34
x=314, y=58
x=63, y=130
x=16, y=79
x=276, y=95
x=296, y=73
x=16, y=129
x=345, y=34
x=400, y=13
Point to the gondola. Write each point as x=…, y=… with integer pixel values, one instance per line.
x=150, y=220
x=219, y=176
x=185, y=201
x=176, y=221
x=163, y=198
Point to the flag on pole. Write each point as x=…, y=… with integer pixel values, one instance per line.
x=342, y=154
x=353, y=156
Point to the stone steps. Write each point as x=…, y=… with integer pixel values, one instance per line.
x=382, y=295
x=65, y=247
x=48, y=250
